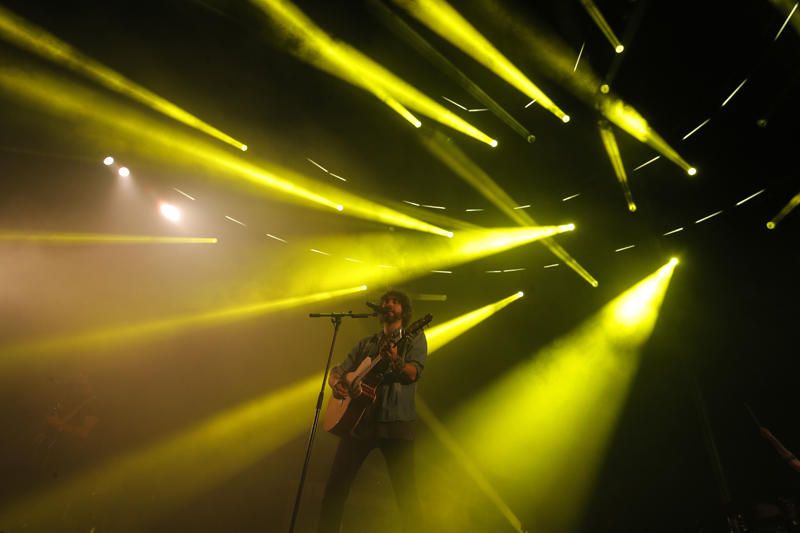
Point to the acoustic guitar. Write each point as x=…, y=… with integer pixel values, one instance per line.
x=343, y=415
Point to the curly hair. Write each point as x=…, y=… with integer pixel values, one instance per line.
x=404, y=300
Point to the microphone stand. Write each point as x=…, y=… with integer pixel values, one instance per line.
x=336, y=320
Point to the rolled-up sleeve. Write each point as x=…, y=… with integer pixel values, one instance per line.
x=417, y=352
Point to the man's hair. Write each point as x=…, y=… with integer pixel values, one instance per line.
x=404, y=300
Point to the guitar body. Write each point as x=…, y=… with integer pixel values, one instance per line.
x=343, y=415
x=339, y=417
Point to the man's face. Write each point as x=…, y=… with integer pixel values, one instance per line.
x=394, y=310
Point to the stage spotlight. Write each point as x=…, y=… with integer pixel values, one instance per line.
x=362, y=258
x=418, y=42
x=124, y=172
x=447, y=152
x=547, y=423
x=442, y=334
x=170, y=212
x=601, y=22
x=556, y=60
x=38, y=41
x=58, y=96
x=493, y=144
x=108, y=161
x=244, y=148
x=565, y=119
x=605, y=88
x=313, y=45
x=612, y=149
x=443, y=19
x=788, y=208
x=691, y=171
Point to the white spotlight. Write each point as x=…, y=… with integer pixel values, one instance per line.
x=124, y=172
x=108, y=161
x=170, y=212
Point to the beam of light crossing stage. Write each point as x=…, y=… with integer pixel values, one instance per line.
x=612, y=149
x=457, y=161
x=97, y=238
x=404, y=31
x=546, y=424
x=441, y=334
x=36, y=40
x=362, y=258
x=629, y=120
x=437, y=337
x=788, y=208
x=441, y=18
x=108, y=337
x=60, y=97
x=601, y=22
x=161, y=477
x=311, y=44
x=556, y=61
x=457, y=452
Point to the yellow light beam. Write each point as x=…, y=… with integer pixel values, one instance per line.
x=406, y=32
x=115, y=335
x=556, y=60
x=546, y=424
x=788, y=208
x=629, y=120
x=98, y=238
x=311, y=44
x=60, y=97
x=448, y=153
x=612, y=149
x=440, y=17
x=145, y=483
x=457, y=452
x=34, y=39
x=362, y=258
x=601, y=22
x=442, y=334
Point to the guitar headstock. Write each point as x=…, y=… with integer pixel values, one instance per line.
x=417, y=326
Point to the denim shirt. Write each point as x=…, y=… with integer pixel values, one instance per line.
x=395, y=400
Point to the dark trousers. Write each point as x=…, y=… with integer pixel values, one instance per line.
x=350, y=455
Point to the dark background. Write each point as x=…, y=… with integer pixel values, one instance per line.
x=726, y=335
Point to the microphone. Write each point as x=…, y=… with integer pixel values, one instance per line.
x=377, y=308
